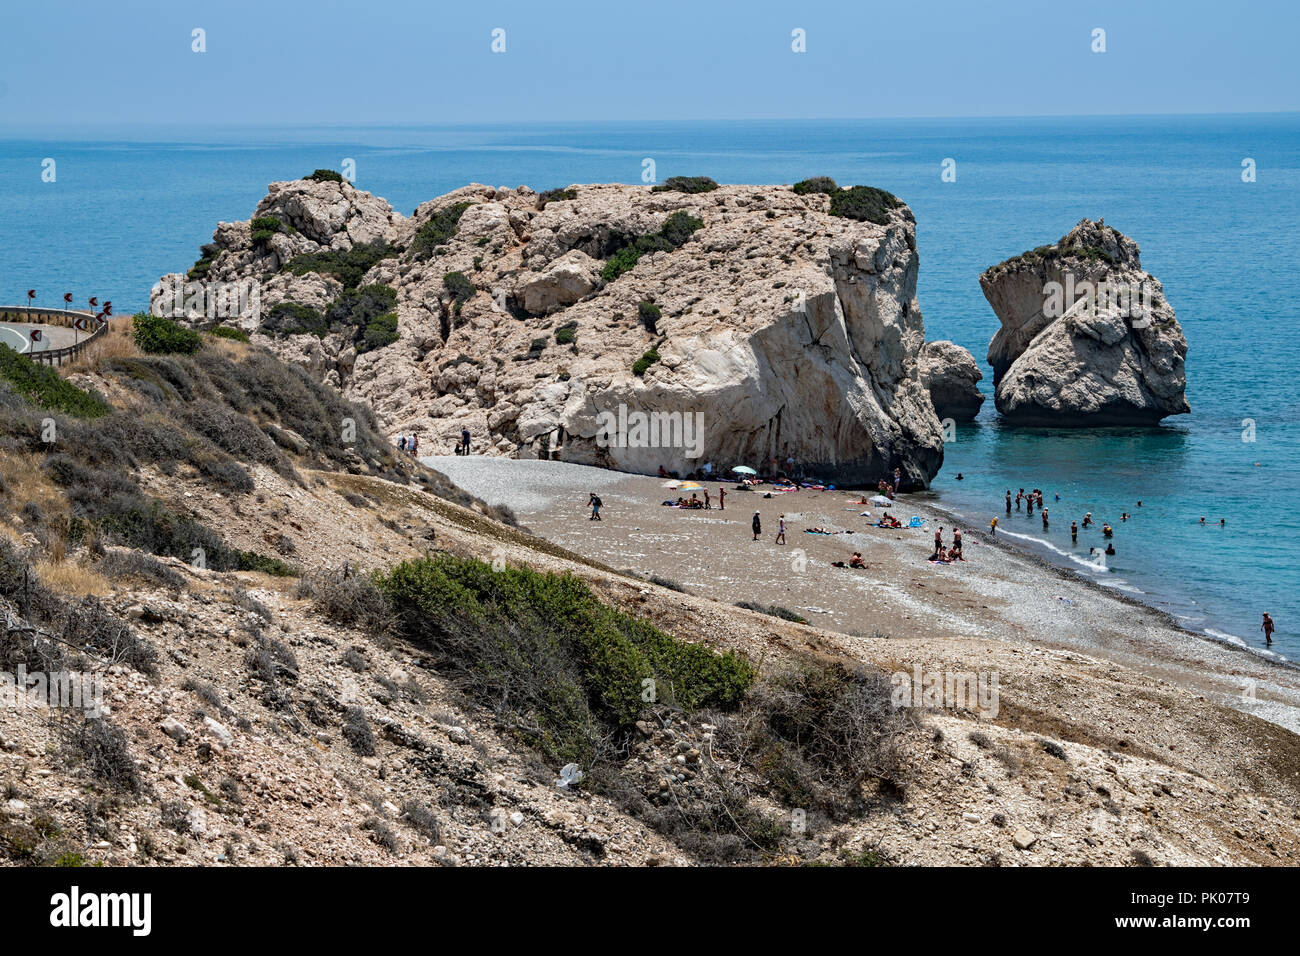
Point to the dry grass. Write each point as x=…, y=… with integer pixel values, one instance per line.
x=22, y=475
x=71, y=579
x=116, y=343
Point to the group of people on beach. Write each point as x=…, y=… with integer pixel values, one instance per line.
x=409, y=444
x=944, y=555
x=694, y=501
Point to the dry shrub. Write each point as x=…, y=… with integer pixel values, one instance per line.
x=72, y=578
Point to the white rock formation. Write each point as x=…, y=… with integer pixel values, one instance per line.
x=950, y=375
x=1087, y=338
x=783, y=330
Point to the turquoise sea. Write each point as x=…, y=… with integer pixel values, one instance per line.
x=127, y=205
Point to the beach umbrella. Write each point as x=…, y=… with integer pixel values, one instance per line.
x=880, y=500
x=744, y=470
x=690, y=486
x=670, y=484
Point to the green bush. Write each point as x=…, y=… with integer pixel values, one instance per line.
x=159, y=335
x=293, y=318
x=263, y=228
x=621, y=261
x=228, y=332
x=325, y=176
x=552, y=195
x=379, y=332
x=566, y=334
x=563, y=670
x=41, y=385
x=650, y=314
x=349, y=266
x=675, y=231
x=818, y=184
x=864, y=203
x=438, y=230
x=686, y=184
x=461, y=288
x=644, y=362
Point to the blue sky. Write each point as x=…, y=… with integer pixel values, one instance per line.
x=68, y=63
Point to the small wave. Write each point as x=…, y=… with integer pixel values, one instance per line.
x=1223, y=637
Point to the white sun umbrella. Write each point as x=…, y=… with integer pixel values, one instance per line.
x=880, y=500
x=670, y=484
x=744, y=470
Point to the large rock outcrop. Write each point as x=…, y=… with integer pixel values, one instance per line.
x=950, y=375
x=1087, y=338
x=780, y=329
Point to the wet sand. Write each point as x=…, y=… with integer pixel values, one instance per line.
x=996, y=602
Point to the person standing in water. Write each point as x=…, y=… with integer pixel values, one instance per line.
x=780, y=530
x=1008, y=501
x=757, y=525
x=1044, y=519
x=993, y=527
x=1267, y=628
x=1074, y=532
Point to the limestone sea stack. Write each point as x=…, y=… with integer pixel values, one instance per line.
x=1087, y=338
x=774, y=323
x=952, y=378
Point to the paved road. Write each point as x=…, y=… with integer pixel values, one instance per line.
x=18, y=336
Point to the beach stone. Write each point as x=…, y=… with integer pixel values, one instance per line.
x=224, y=736
x=1023, y=839
x=174, y=729
x=1084, y=364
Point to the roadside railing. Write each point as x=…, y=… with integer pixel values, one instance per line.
x=64, y=318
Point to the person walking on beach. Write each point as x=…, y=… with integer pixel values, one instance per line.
x=780, y=530
x=722, y=499
x=708, y=502
x=938, y=539
x=956, y=542
x=594, y=503
x=1267, y=628
x=464, y=440
x=401, y=446
x=1008, y=501
x=757, y=525
x=993, y=527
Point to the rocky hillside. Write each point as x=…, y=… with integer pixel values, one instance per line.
x=1087, y=337
x=786, y=318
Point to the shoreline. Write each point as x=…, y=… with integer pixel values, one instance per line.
x=997, y=600
x=1171, y=620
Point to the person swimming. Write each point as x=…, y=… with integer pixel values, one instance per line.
x=1110, y=547
x=1107, y=530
